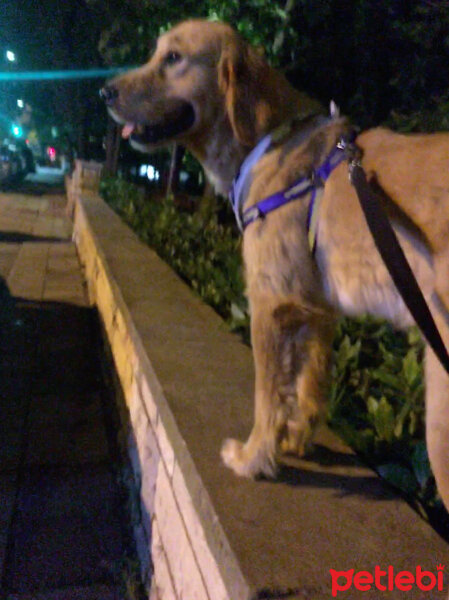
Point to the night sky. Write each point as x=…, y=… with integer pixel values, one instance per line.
x=49, y=35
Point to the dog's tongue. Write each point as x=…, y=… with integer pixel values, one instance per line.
x=127, y=130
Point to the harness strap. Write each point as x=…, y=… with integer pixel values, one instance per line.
x=297, y=190
x=312, y=217
x=241, y=179
x=396, y=261
x=300, y=188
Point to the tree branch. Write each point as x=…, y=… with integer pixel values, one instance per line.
x=279, y=40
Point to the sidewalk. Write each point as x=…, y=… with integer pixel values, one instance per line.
x=63, y=528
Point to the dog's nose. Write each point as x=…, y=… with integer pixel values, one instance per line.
x=108, y=93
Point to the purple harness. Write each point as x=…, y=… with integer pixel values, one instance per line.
x=297, y=190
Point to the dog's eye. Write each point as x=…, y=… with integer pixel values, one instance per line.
x=172, y=57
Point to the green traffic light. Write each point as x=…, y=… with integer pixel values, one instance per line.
x=17, y=131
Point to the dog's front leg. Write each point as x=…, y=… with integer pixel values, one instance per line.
x=257, y=455
x=291, y=350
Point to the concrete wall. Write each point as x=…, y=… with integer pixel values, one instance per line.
x=190, y=553
x=188, y=384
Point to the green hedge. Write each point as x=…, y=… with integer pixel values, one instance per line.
x=376, y=398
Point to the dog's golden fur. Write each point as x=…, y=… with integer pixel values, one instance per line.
x=237, y=98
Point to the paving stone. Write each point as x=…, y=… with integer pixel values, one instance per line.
x=67, y=529
x=8, y=254
x=71, y=291
x=3, y=549
x=13, y=406
x=44, y=226
x=11, y=441
x=63, y=280
x=32, y=260
x=60, y=349
x=96, y=592
x=66, y=430
x=7, y=497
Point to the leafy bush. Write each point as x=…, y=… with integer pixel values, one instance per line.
x=203, y=252
x=376, y=398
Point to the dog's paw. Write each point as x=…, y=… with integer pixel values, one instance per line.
x=296, y=439
x=231, y=452
x=235, y=456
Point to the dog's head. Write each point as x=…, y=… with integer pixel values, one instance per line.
x=201, y=72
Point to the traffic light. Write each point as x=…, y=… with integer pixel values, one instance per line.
x=16, y=130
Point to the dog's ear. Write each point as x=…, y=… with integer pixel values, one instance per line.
x=244, y=80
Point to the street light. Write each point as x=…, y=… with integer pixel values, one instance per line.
x=10, y=56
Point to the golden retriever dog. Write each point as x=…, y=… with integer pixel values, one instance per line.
x=207, y=89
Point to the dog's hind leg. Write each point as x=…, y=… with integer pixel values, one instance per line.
x=437, y=411
x=282, y=338
x=312, y=383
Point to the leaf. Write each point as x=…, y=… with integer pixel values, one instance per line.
x=400, y=418
x=413, y=424
x=414, y=336
x=389, y=355
x=387, y=377
x=237, y=313
x=372, y=405
x=384, y=420
x=410, y=368
x=347, y=352
x=421, y=464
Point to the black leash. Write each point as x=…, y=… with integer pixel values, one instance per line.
x=393, y=255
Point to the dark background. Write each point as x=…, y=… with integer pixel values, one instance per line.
x=382, y=62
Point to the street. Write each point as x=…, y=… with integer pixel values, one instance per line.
x=46, y=180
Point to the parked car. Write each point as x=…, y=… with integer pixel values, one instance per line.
x=16, y=161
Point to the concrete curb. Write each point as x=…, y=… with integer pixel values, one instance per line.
x=191, y=554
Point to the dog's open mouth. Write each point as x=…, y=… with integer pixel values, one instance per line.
x=175, y=122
